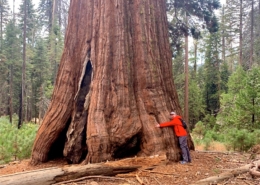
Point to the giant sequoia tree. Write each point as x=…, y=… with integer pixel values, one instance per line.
x=114, y=85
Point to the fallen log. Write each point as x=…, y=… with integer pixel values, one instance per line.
x=254, y=171
x=217, y=152
x=49, y=176
x=224, y=176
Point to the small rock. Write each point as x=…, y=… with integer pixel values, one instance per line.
x=93, y=183
x=197, y=173
x=14, y=162
x=206, y=174
x=2, y=166
x=153, y=156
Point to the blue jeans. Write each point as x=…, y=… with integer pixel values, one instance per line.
x=184, y=148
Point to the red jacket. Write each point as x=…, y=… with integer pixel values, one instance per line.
x=177, y=126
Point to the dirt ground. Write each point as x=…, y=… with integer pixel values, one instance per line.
x=156, y=170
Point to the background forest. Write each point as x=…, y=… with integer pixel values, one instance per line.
x=215, y=66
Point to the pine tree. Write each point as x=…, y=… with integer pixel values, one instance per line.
x=240, y=106
x=27, y=24
x=248, y=101
x=56, y=43
x=13, y=55
x=52, y=13
x=45, y=14
x=201, y=11
x=196, y=105
x=228, y=110
x=4, y=8
x=30, y=20
x=235, y=12
x=224, y=76
x=252, y=39
x=212, y=73
x=39, y=73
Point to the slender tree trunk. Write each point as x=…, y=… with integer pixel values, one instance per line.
x=59, y=11
x=195, y=42
x=65, y=18
x=41, y=103
x=54, y=6
x=113, y=86
x=252, y=35
x=22, y=96
x=219, y=77
x=1, y=25
x=223, y=34
x=186, y=71
x=240, y=31
x=10, y=100
x=14, y=10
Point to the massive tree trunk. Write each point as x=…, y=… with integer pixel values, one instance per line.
x=114, y=84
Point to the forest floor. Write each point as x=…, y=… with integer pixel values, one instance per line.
x=156, y=170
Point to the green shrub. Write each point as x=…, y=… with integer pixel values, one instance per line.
x=209, y=121
x=199, y=130
x=240, y=140
x=15, y=143
x=207, y=142
x=256, y=134
x=215, y=136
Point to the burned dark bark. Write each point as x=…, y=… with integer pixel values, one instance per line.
x=114, y=84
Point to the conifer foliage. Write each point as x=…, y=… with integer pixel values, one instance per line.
x=29, y=57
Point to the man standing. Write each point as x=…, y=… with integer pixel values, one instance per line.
x=181, y=133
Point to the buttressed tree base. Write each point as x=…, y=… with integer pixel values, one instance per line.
x=114, y=84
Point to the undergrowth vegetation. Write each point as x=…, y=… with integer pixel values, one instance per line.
x=234, y=139
x=15, y=143
x=235, y=119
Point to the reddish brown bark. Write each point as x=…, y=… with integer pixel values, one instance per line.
x=113, y=86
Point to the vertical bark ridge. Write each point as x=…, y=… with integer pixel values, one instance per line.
x=115, y=108
x=150, y=74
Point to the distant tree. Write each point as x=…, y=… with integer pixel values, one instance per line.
x=240, y=31
x=27, y=23
x=45, y=15
x=52, y=18
x=185, y=20
x=39, y=75
x=4, y=8
x=252, y=35
x=235, y=13
x=55, y=47
x=12, y=51
x=201, y=15
x=248, y=100
x=53, y=13
x=212, y=73
x=27, y=19
x=240, y=105
x=224, y=76
x=196, y=104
